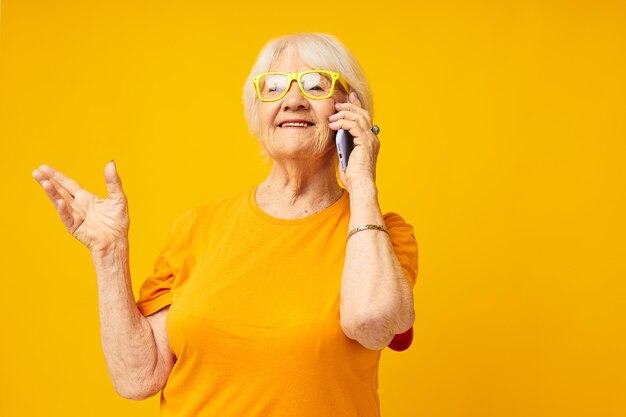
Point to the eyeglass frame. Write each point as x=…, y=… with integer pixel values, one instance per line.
x=335, y=76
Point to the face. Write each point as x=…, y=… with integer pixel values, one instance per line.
x=284, y=141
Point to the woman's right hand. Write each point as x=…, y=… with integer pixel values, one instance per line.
x=97, y=223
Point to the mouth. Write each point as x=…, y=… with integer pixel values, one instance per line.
x=296, y=125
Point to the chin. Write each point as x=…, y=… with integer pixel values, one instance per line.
x=292, y=152
x=298, y=146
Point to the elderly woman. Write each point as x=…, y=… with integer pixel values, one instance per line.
x=275, y=301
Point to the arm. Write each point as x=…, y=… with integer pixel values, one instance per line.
x=376, y=298
x=136, y=348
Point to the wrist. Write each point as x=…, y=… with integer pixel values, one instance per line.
x=109, y=251
x=363, y=187
x=364, y=205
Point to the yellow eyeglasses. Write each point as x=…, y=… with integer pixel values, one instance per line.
x=314, y=84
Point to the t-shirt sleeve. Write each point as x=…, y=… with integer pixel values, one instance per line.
x=155, y=292
x=405, y=248
x=404, y=245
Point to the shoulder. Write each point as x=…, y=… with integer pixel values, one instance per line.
x=201, y=219
x=226, y=203
x=401, y=233
x=396, y=223
x=203, y=212
x=404, y=244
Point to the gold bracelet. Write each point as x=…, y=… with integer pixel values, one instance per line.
x=367, y=227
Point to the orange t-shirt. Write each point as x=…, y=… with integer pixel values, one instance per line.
x=254, y=316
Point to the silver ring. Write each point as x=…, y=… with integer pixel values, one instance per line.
x=375, y=129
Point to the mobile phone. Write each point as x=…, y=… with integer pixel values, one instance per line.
x=344, y=147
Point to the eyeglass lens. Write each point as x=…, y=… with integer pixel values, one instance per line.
x=314, y=84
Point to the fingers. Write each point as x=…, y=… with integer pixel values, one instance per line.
x=39, y=175
x=69, y=184
x=57, y=190
x=51, y=192
x=354, y=127
x=64, y=213
x=49, y=187
x=354, y=106
x=60, y=202
x=345, y=124
x=113, y=181
x=343, y=114
x=360, y=135
x=349, y=115
x=353, y=97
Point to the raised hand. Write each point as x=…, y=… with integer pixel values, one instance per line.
x=351, y=116
x=97, y=223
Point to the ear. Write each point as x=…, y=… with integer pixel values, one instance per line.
x=341, y=97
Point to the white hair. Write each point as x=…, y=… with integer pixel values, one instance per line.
x=319, y=51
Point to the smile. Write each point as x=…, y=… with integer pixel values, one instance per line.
x=296, y=124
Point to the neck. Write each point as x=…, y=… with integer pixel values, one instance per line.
x=299, y=188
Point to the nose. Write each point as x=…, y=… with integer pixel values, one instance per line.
x=294, y=99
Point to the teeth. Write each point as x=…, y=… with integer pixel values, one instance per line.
x=298, y=124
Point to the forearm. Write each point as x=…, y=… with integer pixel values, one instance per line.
x=128, y=343
x=376, y=299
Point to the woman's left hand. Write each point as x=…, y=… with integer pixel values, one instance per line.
x=357, y=121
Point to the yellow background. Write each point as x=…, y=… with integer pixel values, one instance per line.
x=503, y=143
